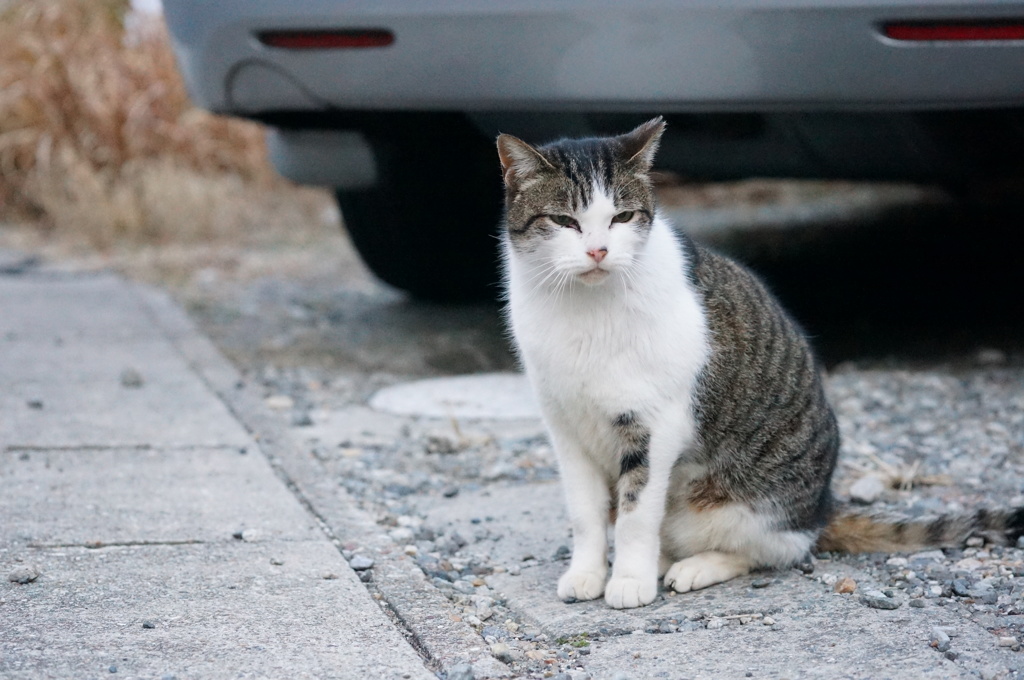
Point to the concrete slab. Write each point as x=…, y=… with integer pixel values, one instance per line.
x=271, y=610
x=52, y=308
x=72, y=393
x=864, y=644
x=137, y=496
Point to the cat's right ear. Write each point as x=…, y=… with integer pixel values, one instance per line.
x=519, y=160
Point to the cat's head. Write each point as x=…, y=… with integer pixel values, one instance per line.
x=581, y=208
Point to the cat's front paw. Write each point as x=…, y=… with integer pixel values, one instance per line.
x=624, y=592
x=580, y=584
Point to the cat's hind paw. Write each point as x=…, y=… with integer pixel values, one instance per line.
x=625, y=592
x=580, y=584
x=705, y=569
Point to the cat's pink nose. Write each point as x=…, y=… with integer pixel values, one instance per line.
x=598, y=254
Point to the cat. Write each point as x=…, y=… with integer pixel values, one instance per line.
x=684, y=405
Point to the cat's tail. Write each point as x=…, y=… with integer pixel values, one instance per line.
x=858, y=531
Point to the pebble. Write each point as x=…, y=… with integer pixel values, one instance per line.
x=961, y=587
x=148, y=625
x=917, y=603
x=462, y=671
x=251, y=535
x=280, y=402
x=1007, y=641
x=464, y=587
x=715, y=623
x=439, y=442
x=402, y=535
x=761, y=583
x=23, y=575
x=933, y=555
x=867, y=489
x=879, y=600
x=845, y=585
x=301, y=419
x=361, y=563
x=938, y=639
x=131, y=378
x=501, y=652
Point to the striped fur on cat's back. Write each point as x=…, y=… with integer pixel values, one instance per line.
x=681, y=400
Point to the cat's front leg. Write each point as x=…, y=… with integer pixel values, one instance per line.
x=646, y=468
x=587, y=496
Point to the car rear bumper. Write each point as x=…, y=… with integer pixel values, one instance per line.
x=683, y=55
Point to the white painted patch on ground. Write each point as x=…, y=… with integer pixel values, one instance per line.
x=504, y=396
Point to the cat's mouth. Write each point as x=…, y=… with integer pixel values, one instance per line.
x=593, y=276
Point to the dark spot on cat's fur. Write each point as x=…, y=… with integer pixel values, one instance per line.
x=629, y=487
x=631, y=460
x=624, y=420
x=635, y=440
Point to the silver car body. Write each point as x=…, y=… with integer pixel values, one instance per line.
x=640, y=55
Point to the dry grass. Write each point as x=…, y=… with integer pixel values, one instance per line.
x=100, y=145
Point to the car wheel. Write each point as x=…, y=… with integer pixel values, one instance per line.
x=429, y=226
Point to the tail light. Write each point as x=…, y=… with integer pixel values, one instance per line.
x=955, y=31
x=327, y=40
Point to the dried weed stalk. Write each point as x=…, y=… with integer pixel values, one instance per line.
x=98, y=137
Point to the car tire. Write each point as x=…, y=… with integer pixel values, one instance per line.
x=429, y=225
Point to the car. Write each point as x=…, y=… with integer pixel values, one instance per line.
x=395, y=104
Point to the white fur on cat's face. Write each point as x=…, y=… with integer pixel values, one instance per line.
x=592, y=253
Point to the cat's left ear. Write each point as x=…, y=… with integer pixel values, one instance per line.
x=640, y=145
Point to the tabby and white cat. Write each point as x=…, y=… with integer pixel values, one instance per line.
x=682, y=402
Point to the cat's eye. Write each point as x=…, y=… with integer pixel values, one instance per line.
x=564, y=221
x=624, y=216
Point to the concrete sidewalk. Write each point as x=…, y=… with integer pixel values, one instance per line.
x=143, y=531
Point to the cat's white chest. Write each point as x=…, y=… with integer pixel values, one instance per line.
x=594, y=353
